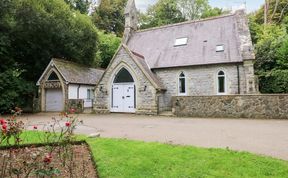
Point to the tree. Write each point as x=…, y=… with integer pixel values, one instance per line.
x=212, y=12
x=271, y=58
x=268, y=28
x=193, y=9
x=108, y=44
x=162, y=13
x=169, y=11
x=13, y=88
x=31, y=33
x=81, y=5
x=269, y=40
x=48, y=28
x=109, y=16
x=273, y=11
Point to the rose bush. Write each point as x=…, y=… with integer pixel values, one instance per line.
x=59, y=136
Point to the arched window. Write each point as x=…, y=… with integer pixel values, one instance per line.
x=123, y=76
x=182, y=84
x=53, y=77
x=221, y=82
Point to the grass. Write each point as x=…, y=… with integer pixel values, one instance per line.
x=123, y=158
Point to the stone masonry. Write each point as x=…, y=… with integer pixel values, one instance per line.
x=233, y=106
x=200, y=81
x=146, y=97
x=44, y=84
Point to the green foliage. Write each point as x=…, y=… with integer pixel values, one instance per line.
x=109, y=16
x=31, y=33
x=14, y=91
x=266, y=48
x=282, y=54
x=275, y=81
x=162, y=13
x=193, y=10
x=48, y=28
x=108, y=44
x=81, y=5
x=271, y=45
x=271, y=59
x=169, y=11
x=278, y=10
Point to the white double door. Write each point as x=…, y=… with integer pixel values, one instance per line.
x=123, y=98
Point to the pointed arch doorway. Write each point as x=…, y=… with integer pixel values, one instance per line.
x=123, y=92
x=54, y=94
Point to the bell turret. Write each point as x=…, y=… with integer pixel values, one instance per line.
x=131, y=21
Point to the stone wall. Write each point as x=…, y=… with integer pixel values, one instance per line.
x=232, y=106
x=146, y=97
x=77, y=104
x=44, y=84
x=200, y=81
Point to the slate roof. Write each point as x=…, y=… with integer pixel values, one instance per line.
x=232, y=31
x=75, y=73
x=141, y=62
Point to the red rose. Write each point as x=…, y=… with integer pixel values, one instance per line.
x=35, y=127
x=68, y=124
x=2, y=121
x=4, y=127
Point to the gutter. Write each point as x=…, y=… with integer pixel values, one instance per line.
x=78, y=91
x=238, y=78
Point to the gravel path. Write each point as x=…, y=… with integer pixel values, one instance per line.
x=266, y=137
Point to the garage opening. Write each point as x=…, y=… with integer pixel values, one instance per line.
x=54, y=100
x=54, y=95
x=123, y=92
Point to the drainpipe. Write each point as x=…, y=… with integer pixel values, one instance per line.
x=78, y=91
x=238, y=77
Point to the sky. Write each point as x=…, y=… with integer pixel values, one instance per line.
x=251, y=5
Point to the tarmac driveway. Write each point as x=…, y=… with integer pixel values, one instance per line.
x=266, y=137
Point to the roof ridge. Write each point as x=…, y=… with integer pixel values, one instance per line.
x=77, y=64
x=186, y=22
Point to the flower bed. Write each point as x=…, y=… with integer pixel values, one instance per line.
x=60, y=155
x=72, y=160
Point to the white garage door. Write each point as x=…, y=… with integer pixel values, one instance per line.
x=54, y=100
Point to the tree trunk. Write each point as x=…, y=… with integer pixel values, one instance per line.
x=266, y=11
x=275, y=10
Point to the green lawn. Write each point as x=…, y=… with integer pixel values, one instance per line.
x=124, y=158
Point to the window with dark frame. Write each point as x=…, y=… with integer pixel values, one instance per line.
x=182, y=83
x=123, y=76
x=90, y=94
x=221, y=82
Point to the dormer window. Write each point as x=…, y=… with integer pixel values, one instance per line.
x=181, y=41
x=220, y=48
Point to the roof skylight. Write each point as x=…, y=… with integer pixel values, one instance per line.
x=219, y=48
x=181, y=41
